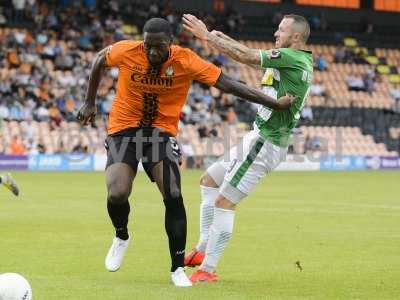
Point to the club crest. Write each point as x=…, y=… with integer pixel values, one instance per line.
x=169, y=71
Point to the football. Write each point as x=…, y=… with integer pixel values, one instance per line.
x=14, y=287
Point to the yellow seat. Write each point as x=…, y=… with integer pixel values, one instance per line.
x=394, y=78
x=350, y=42
x=383, y=69
x=373, y=60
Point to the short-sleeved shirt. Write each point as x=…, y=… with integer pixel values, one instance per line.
x=149, y=97
x=287, y=71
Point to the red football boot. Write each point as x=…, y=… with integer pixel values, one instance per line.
x=202, y=276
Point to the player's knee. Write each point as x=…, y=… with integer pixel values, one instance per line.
x=175, y=206
x=118, y=194
x=171, y=186
x=207, y=180
x=175, y=193
x=222, y=202
x=117, y=197
x=172, y=191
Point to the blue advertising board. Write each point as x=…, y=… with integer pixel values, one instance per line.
x=334, y=162
x=61, y=162
x=86, y=162
x=13, y=162
x=382, y=162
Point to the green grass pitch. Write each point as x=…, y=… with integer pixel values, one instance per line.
x=343, y=229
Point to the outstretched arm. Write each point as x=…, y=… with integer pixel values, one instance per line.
x=87, y=112
x=96, y=73
x=222, y=42
x=243, y=91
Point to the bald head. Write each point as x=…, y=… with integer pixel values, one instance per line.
x=300, y=25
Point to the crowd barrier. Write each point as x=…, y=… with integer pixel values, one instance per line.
x=84, y=162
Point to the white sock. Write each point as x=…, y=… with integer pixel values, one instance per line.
x=220, y=234
x=208, y=197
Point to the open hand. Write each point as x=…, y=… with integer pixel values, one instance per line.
x=195, y=26
x=86, y=113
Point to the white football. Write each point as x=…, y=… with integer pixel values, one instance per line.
x=14, y=287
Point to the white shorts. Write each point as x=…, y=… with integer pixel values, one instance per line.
x=237, y=172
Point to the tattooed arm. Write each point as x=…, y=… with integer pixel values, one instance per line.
x=234, y=49
x=222, y=42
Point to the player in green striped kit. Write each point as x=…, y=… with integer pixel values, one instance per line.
x=288, y=69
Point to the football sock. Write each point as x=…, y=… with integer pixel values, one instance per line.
x=175, y=226
x=220, y=234
x=1, y=179
x=208, y=197
x=119, y=216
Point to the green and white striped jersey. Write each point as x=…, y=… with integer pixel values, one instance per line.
x=287, y=71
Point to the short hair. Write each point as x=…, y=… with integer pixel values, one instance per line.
x=158, y=25
x=301, y=25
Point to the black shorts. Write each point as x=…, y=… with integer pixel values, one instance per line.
x=148, y=144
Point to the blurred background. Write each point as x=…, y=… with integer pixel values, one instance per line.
x=351, y=120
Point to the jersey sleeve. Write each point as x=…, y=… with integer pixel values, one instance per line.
x=276, y=58
x=201, y=70
x=115, y=53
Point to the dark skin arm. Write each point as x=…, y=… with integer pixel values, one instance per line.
x=243, y=91
x=87, y=112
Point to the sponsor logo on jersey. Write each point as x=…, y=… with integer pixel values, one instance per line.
x=169, y=71
x=138, y=68
x=151, y=80
x=269, y=76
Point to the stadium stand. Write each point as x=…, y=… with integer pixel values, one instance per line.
x=44, y=65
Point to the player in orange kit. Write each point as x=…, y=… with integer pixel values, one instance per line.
x=153, y=83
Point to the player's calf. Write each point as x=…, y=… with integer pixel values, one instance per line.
x=119, y=215
x=220, y=234
x=176, y=228
x=118, y=208
x=167, y=176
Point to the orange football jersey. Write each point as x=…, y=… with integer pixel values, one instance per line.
x=147, y=97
